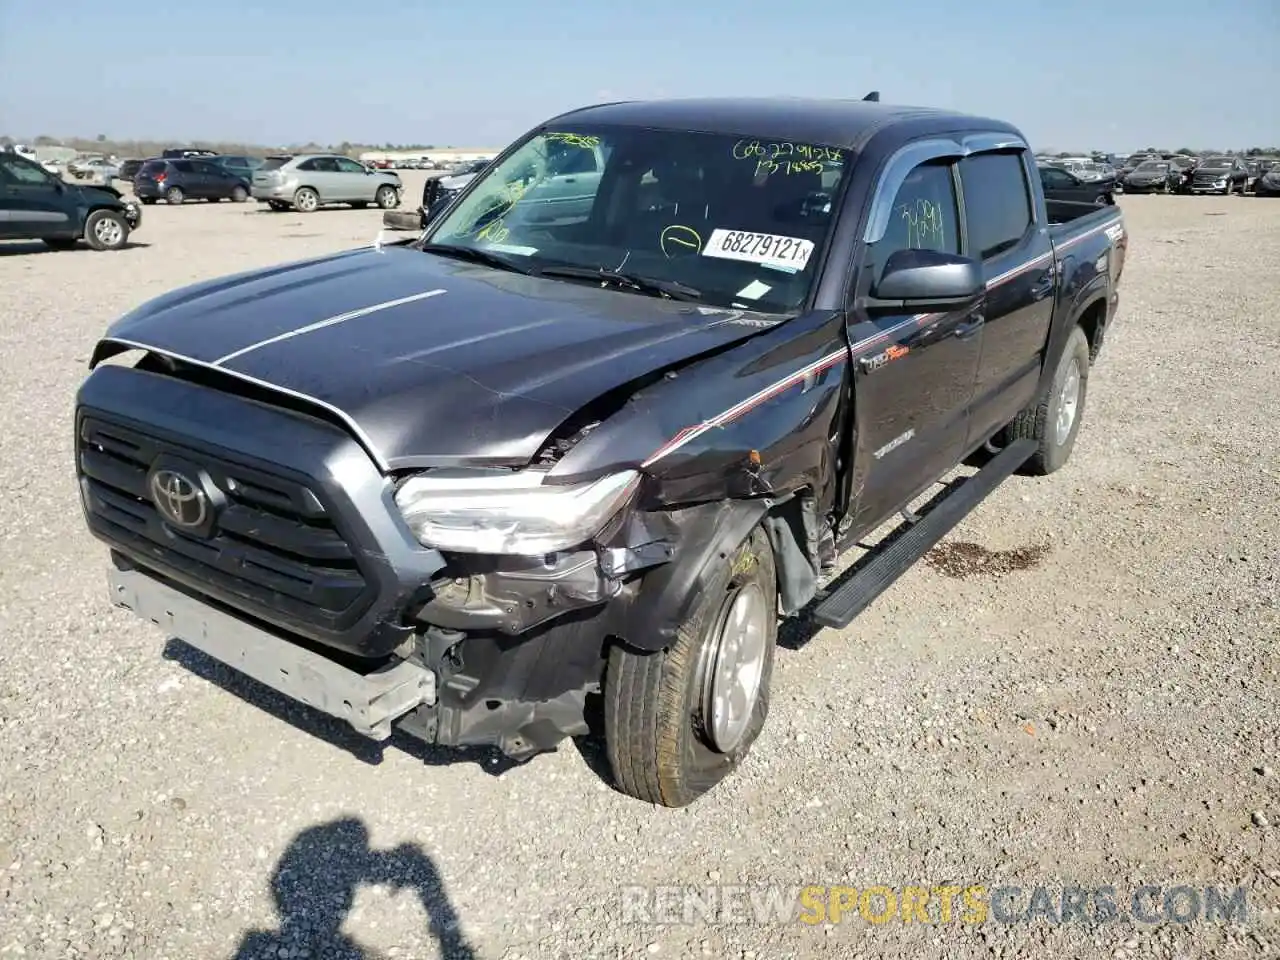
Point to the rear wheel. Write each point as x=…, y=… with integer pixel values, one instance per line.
x=1054, y=420
x=306, y=200
x=387, y=198
x=679, y=720
x=106, y=230
x=174, y=196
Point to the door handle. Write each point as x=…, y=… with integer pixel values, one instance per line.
x=973, y=323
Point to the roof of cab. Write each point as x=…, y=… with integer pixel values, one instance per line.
x=836, y=123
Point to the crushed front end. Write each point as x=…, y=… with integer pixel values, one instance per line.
x=268, y=539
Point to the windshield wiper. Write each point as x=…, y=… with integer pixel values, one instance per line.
x=662, y=288
x=476, y=255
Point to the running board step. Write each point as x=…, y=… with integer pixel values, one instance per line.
x=849, y=599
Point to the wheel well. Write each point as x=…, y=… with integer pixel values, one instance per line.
x=1092, y=322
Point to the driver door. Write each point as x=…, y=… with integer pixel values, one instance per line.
x=914, y=374
x=32, y=203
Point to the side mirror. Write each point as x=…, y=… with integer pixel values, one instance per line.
x=927, y=278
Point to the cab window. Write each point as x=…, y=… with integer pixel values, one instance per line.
x=996, y=202
x=21, y=170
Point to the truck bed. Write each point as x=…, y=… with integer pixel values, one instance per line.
x=1070, y=211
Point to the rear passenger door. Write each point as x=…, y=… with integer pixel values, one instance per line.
x=191, y=183
x=913, y=373
x=1004, y=229
x=326, y=179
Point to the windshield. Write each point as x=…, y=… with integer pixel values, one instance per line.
x=740, y=220
x=1215, y=162
x=1151, y=167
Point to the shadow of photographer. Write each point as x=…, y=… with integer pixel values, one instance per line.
x=314, y=887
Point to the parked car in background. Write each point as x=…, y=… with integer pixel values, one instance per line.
x=98, y=168
x=182, y=153
x=36, y=205
x=309, y=181
x=129, y=169
x=241, y=166
x=1153, y=176
x=1268, y=184
x=1258, y=168
x=470, y=166
x=176, y=181
x=1224, y=175
x=1062, y=184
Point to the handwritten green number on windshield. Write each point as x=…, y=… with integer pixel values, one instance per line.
x=574, y=140
x=785, y=157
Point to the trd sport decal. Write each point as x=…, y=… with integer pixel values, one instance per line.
x=876, y=361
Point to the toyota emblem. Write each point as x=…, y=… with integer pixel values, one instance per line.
x=179, y=499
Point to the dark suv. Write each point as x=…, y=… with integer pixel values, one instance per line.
x=1226, y=175
x=174, y=181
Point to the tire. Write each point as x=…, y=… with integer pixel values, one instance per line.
x=306, y=200
x=106, y=230
x=239, y=194
x=387, y=197
x=1044, y=420
x=60, y=243
x=174, y=196
x=660, y=731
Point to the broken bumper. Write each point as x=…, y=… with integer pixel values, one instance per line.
x=370, y=702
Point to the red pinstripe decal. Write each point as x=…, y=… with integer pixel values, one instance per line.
x=690, y=433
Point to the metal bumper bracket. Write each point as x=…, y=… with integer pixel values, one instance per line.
x=369, y=702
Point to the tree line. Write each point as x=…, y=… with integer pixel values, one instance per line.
x=152, y=148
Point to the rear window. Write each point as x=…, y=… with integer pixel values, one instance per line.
x=152, y=167
x=274, y=163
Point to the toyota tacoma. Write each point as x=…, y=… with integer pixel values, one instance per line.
x=554, y=455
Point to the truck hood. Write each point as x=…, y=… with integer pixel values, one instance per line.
x=427, y=361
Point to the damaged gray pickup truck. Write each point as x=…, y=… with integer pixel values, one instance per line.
x=620, y=407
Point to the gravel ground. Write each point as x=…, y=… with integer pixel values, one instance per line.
x=1080, y=687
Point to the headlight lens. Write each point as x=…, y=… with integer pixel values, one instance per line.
x=510, y=513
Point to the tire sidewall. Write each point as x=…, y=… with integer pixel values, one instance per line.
x=1056, y=454
x=388, y=192
x=174, y=195
x=306, y=192
x=702, y=764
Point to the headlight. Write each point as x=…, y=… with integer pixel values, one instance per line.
x=511, y=513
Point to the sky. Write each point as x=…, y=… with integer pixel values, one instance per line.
x=1072, y=74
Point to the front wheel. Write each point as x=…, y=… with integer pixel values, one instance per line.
x=1054, y=421
x=387, y=198
x=106, y=230
x=306, y=200
x=679, y=720
x=239, y=194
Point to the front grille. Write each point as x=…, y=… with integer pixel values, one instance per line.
x=274, y=549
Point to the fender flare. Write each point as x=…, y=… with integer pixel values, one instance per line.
x=668, y=593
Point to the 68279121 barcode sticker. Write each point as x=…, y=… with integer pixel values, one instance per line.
x=767, y=249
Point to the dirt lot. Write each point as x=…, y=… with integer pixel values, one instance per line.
x=1080, y=689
